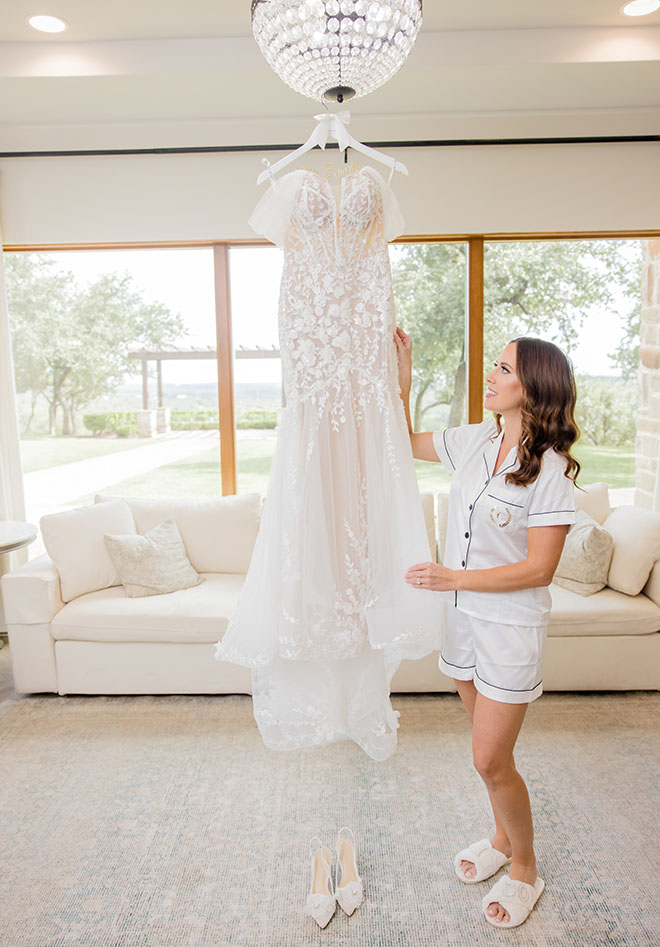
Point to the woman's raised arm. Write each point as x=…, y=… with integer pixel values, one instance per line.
x=422, y=444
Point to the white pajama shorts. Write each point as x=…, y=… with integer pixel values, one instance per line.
x=504, y=661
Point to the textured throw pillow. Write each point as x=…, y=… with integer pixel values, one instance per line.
x=585, y=561
x=636, y=534
x=74, y=541
x=154, y=563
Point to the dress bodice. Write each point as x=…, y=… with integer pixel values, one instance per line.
x=336, y=317
x=317, y=208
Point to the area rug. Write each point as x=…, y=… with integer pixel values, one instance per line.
x=163, y=822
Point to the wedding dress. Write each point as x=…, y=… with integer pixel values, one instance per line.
x=325, y=615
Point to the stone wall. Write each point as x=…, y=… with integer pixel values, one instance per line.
x=648, y=415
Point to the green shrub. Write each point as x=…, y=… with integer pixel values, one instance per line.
x=256, y=419
x=96, y=423
x=201, y=420
x=121, y=423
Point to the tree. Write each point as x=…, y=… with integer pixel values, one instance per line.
x=606, y=411
x=71, y=343
x=629, y=278
x=429, y=285
x=543, y=288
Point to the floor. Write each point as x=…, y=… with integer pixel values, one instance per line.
x=6, y=680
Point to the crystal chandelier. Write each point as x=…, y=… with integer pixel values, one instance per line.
x=336, y=49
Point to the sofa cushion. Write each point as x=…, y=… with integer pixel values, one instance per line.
x=606, y=613
x=636, y=535
x=198, y=614
x=74, y=540
x=594, y=499
x=219, y=533
x=153, y=564
x=585, y=561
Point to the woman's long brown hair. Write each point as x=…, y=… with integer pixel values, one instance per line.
x=548, y=409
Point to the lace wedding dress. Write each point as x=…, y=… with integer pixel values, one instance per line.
x=325, y=615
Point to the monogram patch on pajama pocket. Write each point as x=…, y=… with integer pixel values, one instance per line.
x=500, y=515
x=503, y=511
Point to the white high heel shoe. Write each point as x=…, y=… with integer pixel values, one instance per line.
x=321, y=902
x=348, y=884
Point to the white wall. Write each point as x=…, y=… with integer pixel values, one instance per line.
x=451, y=190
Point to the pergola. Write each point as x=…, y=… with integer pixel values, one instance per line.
x=175, y=352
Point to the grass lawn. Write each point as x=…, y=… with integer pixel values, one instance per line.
x=614, y=465
x=194, y=476
x=40, y=453
x=199, y=474
x=254, y=451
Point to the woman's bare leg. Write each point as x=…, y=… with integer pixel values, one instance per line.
x=495, y=729
x=500, y=840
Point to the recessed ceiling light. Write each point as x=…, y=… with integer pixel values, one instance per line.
x=640, y=7
x=54, y=24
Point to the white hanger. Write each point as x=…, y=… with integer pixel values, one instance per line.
x=332, y=125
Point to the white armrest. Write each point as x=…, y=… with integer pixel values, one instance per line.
x=31, y=593
x=442, y=512
x=652, y=587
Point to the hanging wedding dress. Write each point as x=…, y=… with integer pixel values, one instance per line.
x=325, y=615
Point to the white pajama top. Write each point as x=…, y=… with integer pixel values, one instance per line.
x=489, y=518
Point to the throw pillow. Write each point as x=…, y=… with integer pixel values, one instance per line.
x=636, y=534
x=154, y=563
x=74, y=541
x=585, y=561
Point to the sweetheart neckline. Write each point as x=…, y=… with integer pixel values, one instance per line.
x=338, y=198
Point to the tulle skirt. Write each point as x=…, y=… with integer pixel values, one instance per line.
x=325, y=615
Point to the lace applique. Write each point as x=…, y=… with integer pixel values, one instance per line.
x=325, y=615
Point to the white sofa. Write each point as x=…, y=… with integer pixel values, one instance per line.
x=104, y=642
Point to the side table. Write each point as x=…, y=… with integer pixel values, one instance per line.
x=13, y=535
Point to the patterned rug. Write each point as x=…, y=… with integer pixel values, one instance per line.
x=163, y=822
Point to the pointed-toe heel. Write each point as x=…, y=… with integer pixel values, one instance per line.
x=321, y=902
x=349, y=891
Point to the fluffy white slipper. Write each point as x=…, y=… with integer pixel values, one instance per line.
x=486, y=859
x=516, y=897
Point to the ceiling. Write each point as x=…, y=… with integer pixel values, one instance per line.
x=140, y=70
x=92, y=20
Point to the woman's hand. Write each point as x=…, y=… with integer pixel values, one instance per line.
x=430, y=575
x=404, y=359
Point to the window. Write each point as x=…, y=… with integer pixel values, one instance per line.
x=117, y=372
x=585, y=296
x=429, y=281
x=88, y=410
x=255, y=278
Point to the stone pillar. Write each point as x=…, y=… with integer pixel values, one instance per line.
x=146, y=422
x=648, y=415
x=163, y=420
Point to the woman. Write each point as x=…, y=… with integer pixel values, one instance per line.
x=510, y=507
